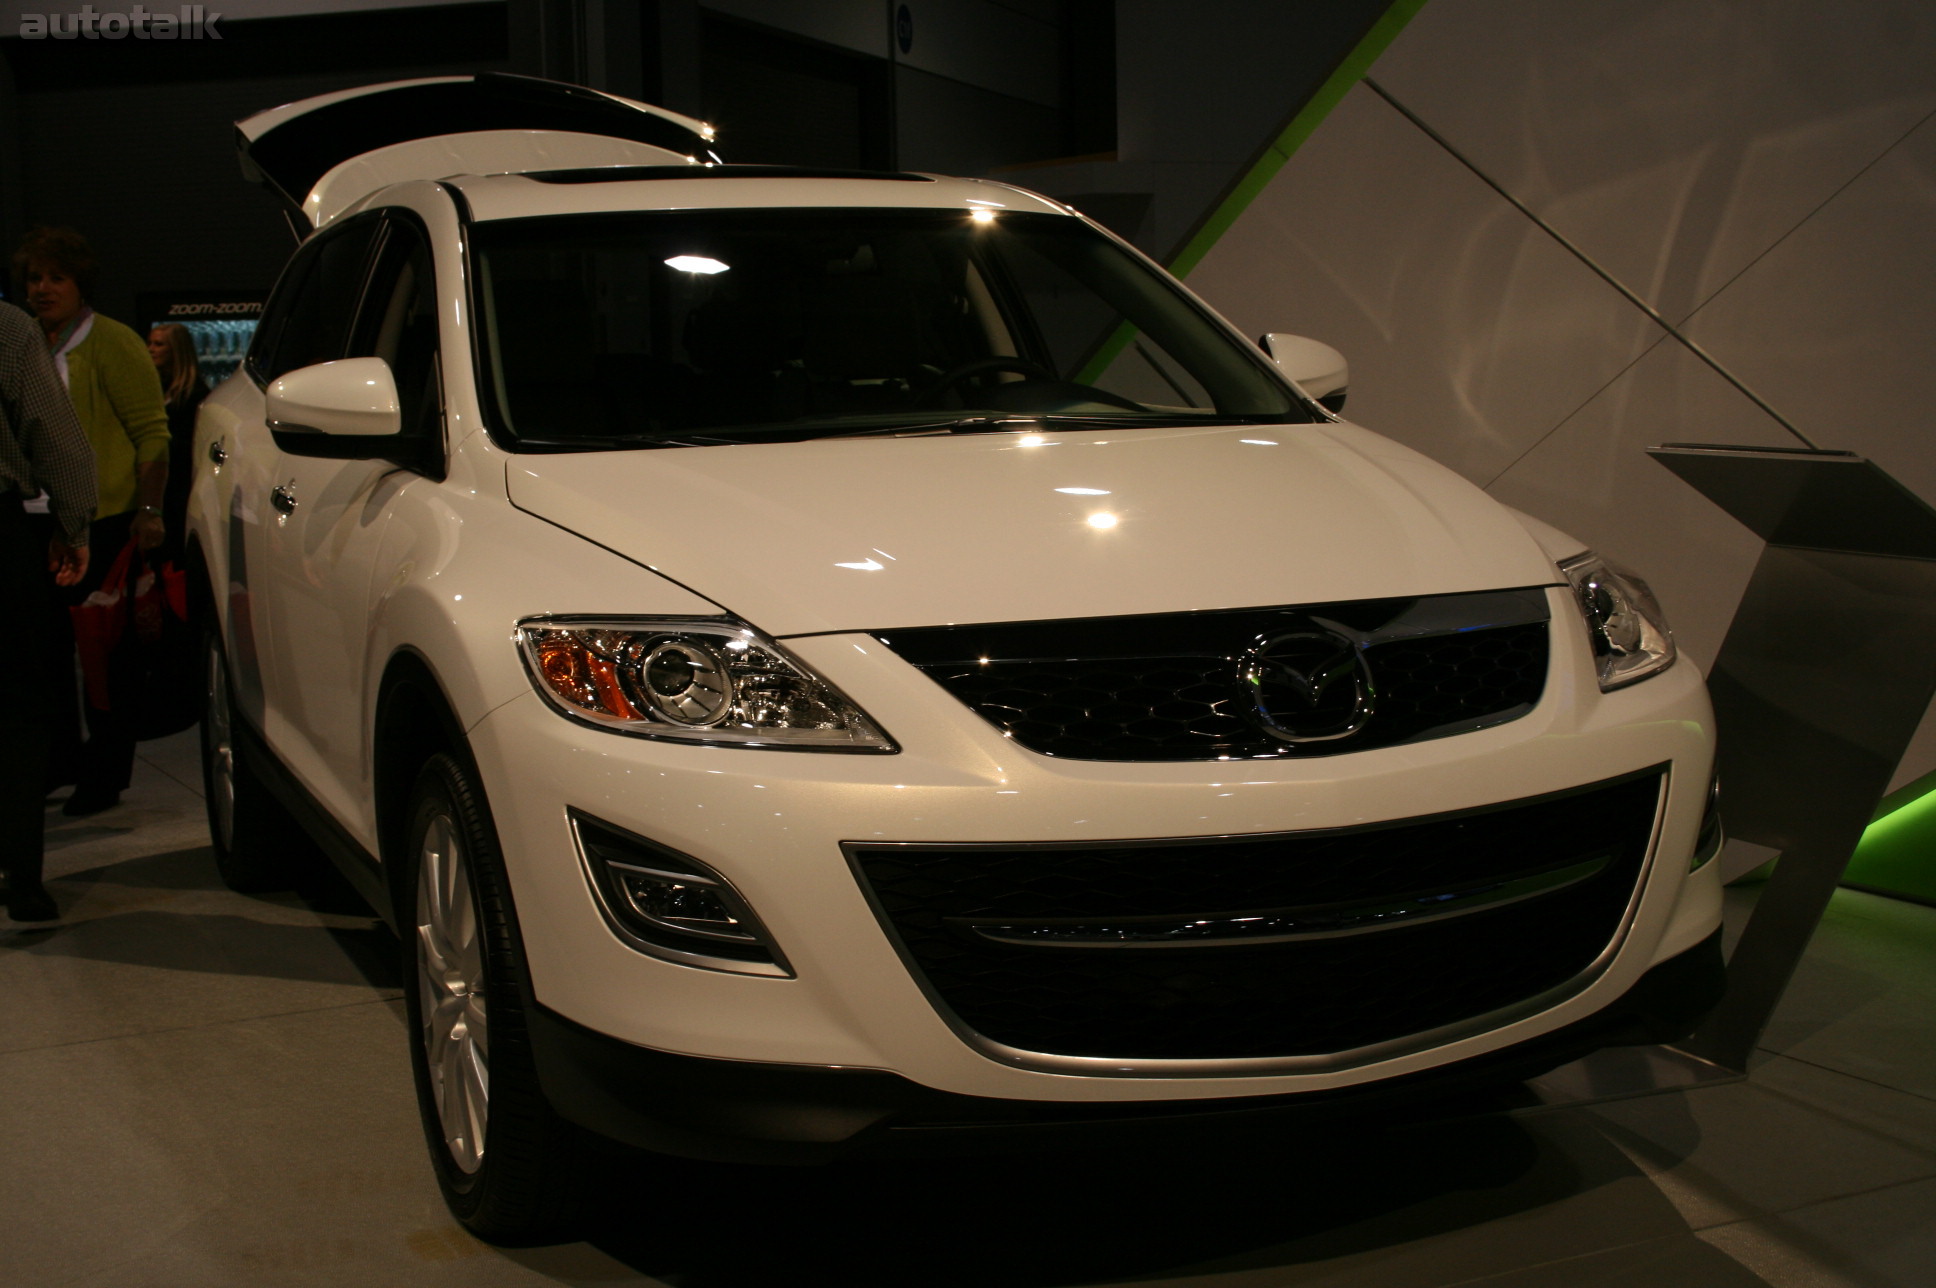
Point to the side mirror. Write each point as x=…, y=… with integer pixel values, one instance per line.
x=347, y=410
x=1319, y=370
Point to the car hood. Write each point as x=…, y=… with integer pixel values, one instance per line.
x=875, y=533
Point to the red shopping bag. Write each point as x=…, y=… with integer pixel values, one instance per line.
x=155, y=672
x=99, y=621
x=139, y=653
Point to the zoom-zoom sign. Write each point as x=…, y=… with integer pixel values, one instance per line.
x=188, y=22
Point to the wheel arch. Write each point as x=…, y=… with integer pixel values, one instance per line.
x=415, y=719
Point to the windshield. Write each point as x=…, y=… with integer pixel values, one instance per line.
x=696, y=327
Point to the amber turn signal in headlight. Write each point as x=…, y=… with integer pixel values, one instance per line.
x=696, y=680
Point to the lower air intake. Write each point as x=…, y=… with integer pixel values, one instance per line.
x=1010, y=941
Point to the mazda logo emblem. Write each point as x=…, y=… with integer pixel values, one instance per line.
x=1308, y=686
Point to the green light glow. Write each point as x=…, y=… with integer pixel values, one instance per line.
x=1897, y=854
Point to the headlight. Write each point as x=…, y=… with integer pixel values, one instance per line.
x=692, y=679
x=1629, y=634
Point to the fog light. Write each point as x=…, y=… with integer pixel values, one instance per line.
x=679, y=903
x=671, y=906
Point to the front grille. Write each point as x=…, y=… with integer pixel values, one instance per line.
x=1171, y=686
x=1305, y=996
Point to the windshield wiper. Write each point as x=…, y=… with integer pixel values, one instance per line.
x=924, y=428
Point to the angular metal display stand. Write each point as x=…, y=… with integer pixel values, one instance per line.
x=1826, y=672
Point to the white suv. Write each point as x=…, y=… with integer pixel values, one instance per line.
x=815, y=662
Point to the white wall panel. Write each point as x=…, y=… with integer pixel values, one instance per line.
x=1470, y=332
x=1673, y=140
x=1593, y=478
x=1770, y=162
x=1836, y=325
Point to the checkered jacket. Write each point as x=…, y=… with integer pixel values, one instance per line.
x=42, y=445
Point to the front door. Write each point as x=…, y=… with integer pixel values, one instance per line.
x=325, y=535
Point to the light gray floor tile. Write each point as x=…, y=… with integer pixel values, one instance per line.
x=278, y=1151
x=1792, y=1135
x=1864, y=997
x=156, y=814
x=1683, y=1262
x=177, y=757
x=155, y=943
x=1887, y=1237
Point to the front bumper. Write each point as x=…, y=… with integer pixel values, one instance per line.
x=774, y=824
x=747, y=1112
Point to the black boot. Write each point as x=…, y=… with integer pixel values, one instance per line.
x=30, y=902
x=89, y=800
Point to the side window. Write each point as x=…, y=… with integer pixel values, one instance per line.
x=398, y=323
x=308, y=319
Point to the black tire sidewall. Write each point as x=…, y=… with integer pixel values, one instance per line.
x=518, y=1192
x=256, y=857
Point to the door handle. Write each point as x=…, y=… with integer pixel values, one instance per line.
x=217, y=453
x=283, y=497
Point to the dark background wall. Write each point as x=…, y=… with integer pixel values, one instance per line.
x=1137, y=111
x=134, y=143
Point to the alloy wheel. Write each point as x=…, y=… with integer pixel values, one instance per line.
x=218, y=751
x=450, y=982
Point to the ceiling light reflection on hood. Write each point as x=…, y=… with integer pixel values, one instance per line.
x=695, y=264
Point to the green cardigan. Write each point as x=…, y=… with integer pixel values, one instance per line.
x=117, y=394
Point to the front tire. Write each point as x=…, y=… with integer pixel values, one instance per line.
x=251, y=835
x=509, y=1167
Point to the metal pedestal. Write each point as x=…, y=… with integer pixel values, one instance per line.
x=1826, y=671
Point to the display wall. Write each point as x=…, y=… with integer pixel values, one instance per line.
x=1763, y=175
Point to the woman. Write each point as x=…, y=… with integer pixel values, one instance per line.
x=111, y=382
x=173, y=350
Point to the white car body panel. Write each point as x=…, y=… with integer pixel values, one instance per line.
x=347, y=184
x=442, y=571
x=820, y=544
x=1557, y=546
x=775, y=831
x=843, y=534
x=256, y=125
x=484, y=151
x=515, y=196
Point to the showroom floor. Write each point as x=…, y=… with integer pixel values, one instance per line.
x=199, y=1088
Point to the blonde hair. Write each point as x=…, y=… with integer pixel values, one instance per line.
x=184, y=370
